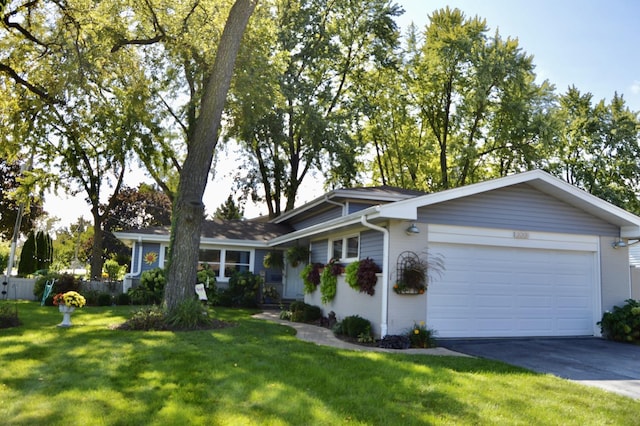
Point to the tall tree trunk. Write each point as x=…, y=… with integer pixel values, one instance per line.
x=188, y=211
x=96, y=248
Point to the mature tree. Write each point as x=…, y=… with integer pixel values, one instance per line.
x=598, y=148
x=188, y=210
x=289, y=105
x=85, y=105
x=9, y=204
x=229, y=210
x=462, y=107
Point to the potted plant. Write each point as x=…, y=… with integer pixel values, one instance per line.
x=270, y=295
x=67, y=303
x=413, y=273
x=297, y=254
x=361, y=275
x=311, y=277
x=273, y=260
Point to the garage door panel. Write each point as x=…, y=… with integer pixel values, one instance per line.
x=488, y=291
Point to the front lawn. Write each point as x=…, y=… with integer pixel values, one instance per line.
x=258, y=373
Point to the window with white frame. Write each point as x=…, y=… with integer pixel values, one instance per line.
x=345, y=248
x=227, y=261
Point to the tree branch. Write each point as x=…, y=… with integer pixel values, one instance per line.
x=32, y=88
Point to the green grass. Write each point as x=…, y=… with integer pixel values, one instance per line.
x=259, y=373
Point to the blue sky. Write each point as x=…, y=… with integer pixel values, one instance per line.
x=591, y=44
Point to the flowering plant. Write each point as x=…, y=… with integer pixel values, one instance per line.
x=70, y=298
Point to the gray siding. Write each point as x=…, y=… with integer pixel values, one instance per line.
x=356, y=207
x=319, y=251
x=371, y=245
x=324, y=216
x=517, y=207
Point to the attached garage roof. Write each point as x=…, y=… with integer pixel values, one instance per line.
x=629, y=223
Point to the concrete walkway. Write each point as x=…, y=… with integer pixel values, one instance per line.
x=325, y=337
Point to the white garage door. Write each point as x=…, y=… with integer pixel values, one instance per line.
x=488, y=291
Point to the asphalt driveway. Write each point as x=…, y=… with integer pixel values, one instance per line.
x=591, y=361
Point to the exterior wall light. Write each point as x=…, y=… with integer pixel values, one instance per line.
x=413, y=230
x=618, y=244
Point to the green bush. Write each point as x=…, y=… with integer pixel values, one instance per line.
x=302, y=312
x=91, y=296
x=104, y=299
x=146, y=318
x=208, y=278
x=421, y=337
x=353, y=326
x=151, y=287
x=123, y=299
x=41, y=281
x=623, y=323
x=190, y=314
x=242, y=291
x=9, y=316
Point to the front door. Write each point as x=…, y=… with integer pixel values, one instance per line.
x=293, y=285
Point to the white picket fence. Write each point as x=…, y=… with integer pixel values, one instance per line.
x=22, y=288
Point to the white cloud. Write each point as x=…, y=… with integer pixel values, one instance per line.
x=635, y=87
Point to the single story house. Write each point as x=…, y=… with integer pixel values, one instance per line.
x=523, y=255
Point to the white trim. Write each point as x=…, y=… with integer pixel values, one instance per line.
x=511, y=238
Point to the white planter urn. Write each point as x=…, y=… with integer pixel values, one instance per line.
x=66, y=315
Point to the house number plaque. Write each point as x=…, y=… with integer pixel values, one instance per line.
x=520, y=235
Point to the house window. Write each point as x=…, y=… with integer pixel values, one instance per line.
x=236, y=261
x=346, y=248
x=210, y=259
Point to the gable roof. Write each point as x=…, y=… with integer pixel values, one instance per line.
x=407, y=209
x=629, y=223
x=373, y=195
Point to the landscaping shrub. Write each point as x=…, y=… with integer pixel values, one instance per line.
x=91, y=296
x=395, y=341
x=9, y=316
x=65, y=283
x=146, y=318
x=208, y=278
x=104, y=299
x=421, y=337
x=242, y=291
x=190, y=314
x=302, y=312
x=623, y=323
x=353, y=326
x=151, y=287
x=123, y=299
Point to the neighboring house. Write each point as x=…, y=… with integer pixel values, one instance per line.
x=523, y=255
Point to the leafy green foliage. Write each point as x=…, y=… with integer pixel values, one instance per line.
x=291, y=106
x=361, y=275
x=421, y=337
x=114, y=270
x=353, y=326
x=9, y=316
x=146, y=318
x=188, y=315
x=28, y=264
x=9, y=204
x=229, y=210
x=300, y=311
x=243, y=290
x=329, y=282
x=622, y=323
x=310, y=275
x=151, y=287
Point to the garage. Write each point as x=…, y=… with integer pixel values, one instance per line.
x=512, y=283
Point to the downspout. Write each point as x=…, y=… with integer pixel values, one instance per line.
x=385, y=275
x=139, y=265
x=335, y=203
